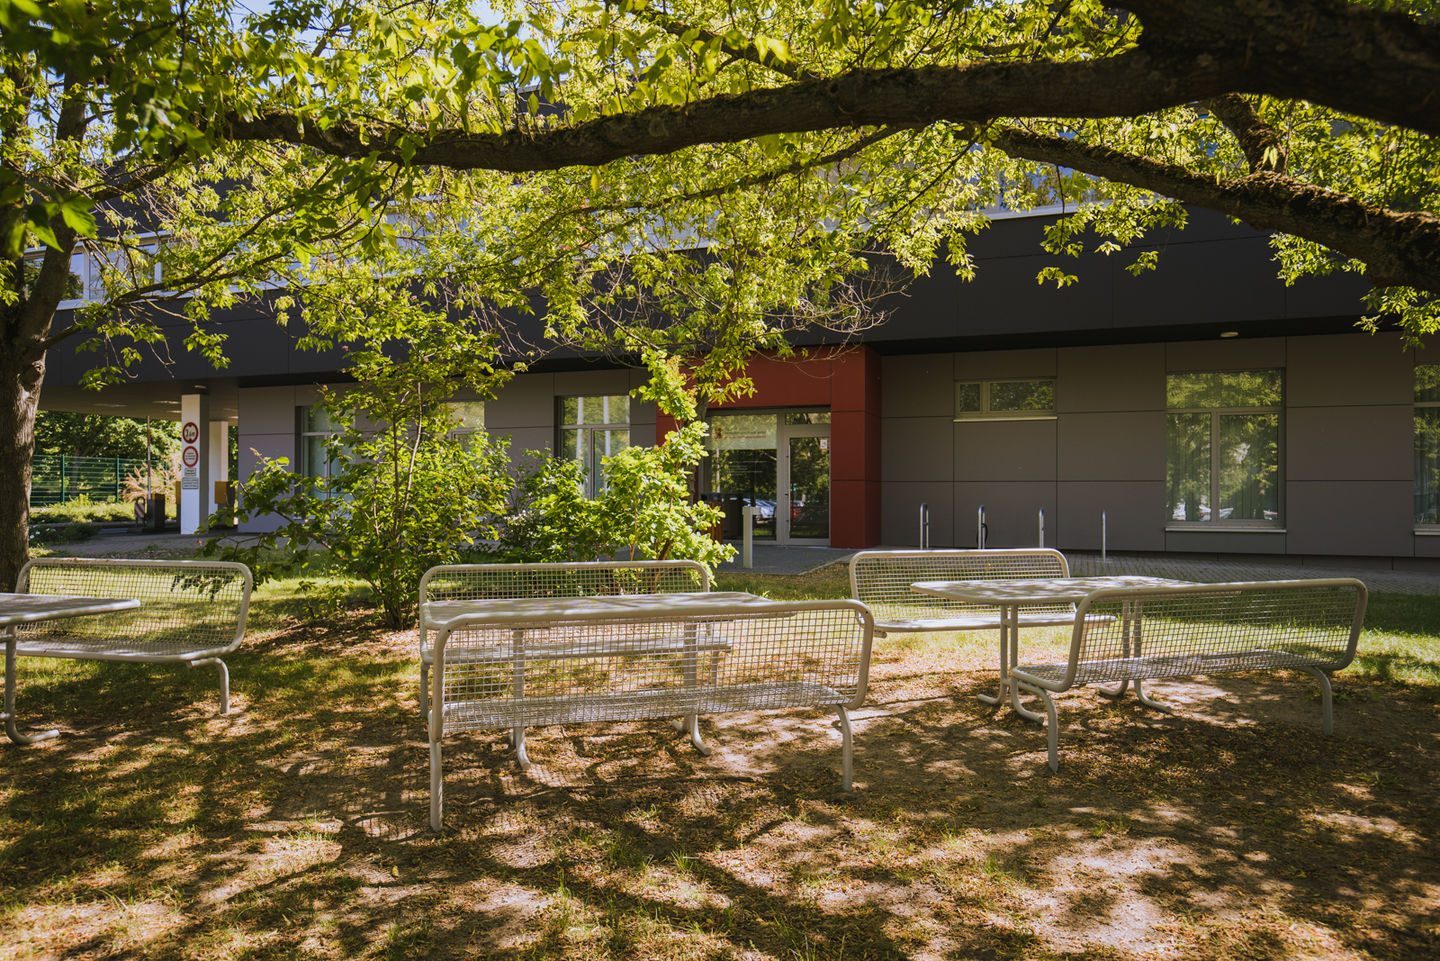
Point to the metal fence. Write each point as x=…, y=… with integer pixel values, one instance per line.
x=57, y=478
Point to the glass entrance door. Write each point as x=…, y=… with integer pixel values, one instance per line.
x=777, y=463
x=804, y=481
x=807, y=517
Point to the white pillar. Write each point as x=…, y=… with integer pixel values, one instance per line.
x=194, y=462
x=219, y=457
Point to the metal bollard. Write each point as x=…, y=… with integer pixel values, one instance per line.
x=924, y=527
x=1042, y=527
x=1102, y=536
x=747, y=533
x=980, y=528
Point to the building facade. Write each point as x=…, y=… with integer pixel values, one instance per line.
x=1203, y=407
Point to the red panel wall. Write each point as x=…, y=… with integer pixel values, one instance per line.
x=847, y=381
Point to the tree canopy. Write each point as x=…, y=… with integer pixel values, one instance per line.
x=568, y=154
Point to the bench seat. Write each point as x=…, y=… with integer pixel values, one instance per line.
x=191, y=612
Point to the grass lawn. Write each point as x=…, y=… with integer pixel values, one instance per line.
x=296, y=827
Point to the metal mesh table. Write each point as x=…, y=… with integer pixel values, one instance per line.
x=1010, y=595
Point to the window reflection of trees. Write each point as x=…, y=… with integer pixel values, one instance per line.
x=1223, y=461
x=1427, y=444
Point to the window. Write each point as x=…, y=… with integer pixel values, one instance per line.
x=591, y=429
x=1223, y=450
x=1005, y=399
x=315, y=430
x=1427, y=444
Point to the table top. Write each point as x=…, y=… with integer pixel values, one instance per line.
x=438, y=615
x=1037, y=590
x=27, y=608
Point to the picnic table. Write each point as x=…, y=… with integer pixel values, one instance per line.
x=1010, y=595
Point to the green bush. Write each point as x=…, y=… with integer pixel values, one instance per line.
x=396, y=501
x=644, y=512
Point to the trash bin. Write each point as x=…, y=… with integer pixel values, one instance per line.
x=155, y=516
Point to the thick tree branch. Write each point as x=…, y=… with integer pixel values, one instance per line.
x=1398, y=249
x=1352, y=57
x=1379, y=65
x=1262, y=144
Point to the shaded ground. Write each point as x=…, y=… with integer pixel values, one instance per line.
x=296, y=827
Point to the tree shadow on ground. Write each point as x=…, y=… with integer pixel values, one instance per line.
x=297, y=826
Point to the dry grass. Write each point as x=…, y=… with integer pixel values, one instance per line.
x=296, y=827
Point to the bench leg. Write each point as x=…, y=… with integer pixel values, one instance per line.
x=1326, y=699
x=690, y=724
x=219, y=665
x=1149, y=701
x=10, y=727
x=517, y=741
x=1052, y=725
x=437, y=786
x=1113, y=692
x=424, y=689
x=1021, y=709
x=847, y=750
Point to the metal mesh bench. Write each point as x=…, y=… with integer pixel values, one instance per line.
x=530, y=663
x=191, y=612
x=881, y=581
x=472, y=582
x=1158, y=632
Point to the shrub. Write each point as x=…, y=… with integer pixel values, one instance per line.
x=644, y=512
x=397, y=501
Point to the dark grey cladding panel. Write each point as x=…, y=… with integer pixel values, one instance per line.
x=1007, y=451
x=916, y=449
x=1230, y=281
x=917, y=385
x=1326, y=296
x=1226, y=541
x=1352, y=369
x=1012, y=513
x=1134, y=515
x=1350, y=517
x=928, y=309
x=1370, y=443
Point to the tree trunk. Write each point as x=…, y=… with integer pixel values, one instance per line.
x=22, y=368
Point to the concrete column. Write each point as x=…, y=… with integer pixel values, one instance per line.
x=219, y=457
x=195, y=492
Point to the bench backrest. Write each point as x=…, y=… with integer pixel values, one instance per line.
x=468, y=582
x=186, y=607
x=881, y=579
x=1215, y=629
x=598, y=665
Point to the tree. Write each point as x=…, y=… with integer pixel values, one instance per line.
x=95, y=435
x=563, y=157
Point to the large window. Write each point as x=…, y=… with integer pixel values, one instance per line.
x=1427, y=444
x=1223, y=457
x=591, y=429
x=1005, y=399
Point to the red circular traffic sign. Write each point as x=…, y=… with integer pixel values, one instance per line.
x=190, y=433
x=191, y=457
